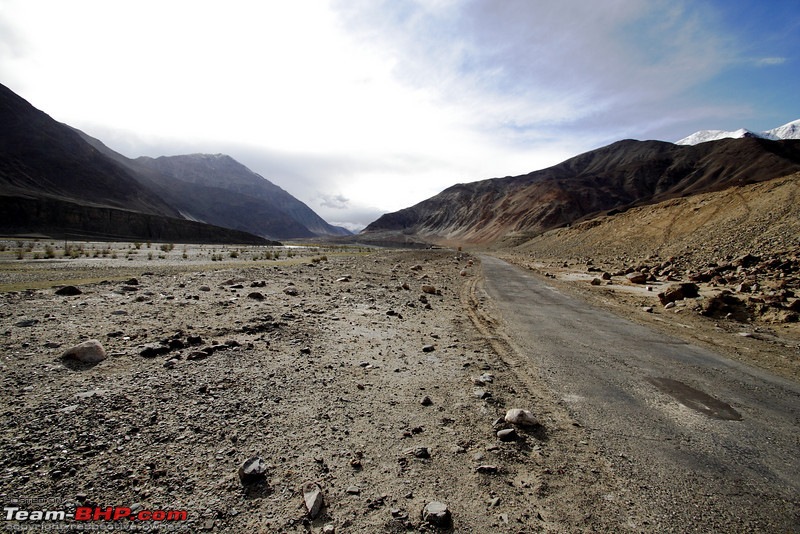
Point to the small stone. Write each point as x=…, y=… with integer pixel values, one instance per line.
x=428, y=348
x=353, y=490
x=507, y=434
x=487, y=469
x=419, y=452
x=90, y=351
x=312, y=496
x=437, y=514
x=647, y=309
x=481, y=394
x=253, y=471
x=290, y=290
x=68, y=291
x=305, y=350
x=204, y=288
x=329, y=529
x=493, y=503
x=132, y=282
x=255, y=295
x=596, y=281
x=426, y=401
x=431, y=290
x=517, y=416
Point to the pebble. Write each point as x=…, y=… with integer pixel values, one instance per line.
x=312, y=496
x=68, y=291
x=518, y=416
x=254, y=470
x=90, y=351
x=290, y=290
x=437, y=514
x=428, y=348
x=426, y=401
x=431, y=290
x=507, y=434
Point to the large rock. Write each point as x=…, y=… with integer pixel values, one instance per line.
x=679, y=292
x=636, y=277
x=90, y=351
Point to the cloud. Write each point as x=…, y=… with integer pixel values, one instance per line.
x=770, y=61
x=338, y=202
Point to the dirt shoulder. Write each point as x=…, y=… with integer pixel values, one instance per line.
x=380, y=376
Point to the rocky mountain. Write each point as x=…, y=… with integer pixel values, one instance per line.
x=217, y=189
x=607, y=180
x=69, y=182
x=53, y=183
x=790, y=130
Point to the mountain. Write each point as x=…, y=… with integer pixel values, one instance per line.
x=787, y=131
x=70, y=179
x=610, y=179
x=52, y=182
x=217, y=189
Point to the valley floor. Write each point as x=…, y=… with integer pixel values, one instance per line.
x=376, y=375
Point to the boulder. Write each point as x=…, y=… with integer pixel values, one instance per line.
x=679, y=292
x=637, y=277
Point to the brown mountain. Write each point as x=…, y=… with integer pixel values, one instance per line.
x=612, y=178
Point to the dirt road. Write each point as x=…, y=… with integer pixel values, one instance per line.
x=708, y=444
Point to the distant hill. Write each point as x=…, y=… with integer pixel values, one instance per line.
x=55, y=179
x=610, y=179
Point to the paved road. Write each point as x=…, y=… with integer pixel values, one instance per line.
x=711, y=444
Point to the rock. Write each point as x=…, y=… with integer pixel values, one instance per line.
x=255, y=295
x=353, y=490
x=204, y=288
x=329, y=529
x=647, y=309
x=290, y=290
x=507, y=434
x=426, y=401
x=520, y=417
x=437, y=514
x=606, y=276
x=253, y=471
x=596, y=282
x=26, y=323
x=343, y=279
x=431, y=290
x=487, y=469
x=312, y=495
x=131, y=282
x=725, y=304
x=152, y=350
x=90, y=351
x=636, y=277
x=679, y=292
x=428, y=348
x=68, y=291
x=418, y=452
x=494, y=503
x=305, y=350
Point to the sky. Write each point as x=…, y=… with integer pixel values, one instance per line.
x=363, y=107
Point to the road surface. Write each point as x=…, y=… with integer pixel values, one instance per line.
x=712, y=444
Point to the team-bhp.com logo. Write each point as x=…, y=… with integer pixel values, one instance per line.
x=91, y=513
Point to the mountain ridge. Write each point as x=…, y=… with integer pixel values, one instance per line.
x=612, y=178
x=790, y=130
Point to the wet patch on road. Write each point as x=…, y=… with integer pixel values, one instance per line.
x=696, y=399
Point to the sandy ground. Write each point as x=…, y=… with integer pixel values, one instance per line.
x=333, y=366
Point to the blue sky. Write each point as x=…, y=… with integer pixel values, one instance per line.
x=359, y=107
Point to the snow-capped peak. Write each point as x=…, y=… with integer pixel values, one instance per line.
x=787, y=131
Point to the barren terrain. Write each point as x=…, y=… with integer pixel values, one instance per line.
x=334, y=366
x=377, y=375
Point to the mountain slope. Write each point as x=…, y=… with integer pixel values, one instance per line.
x=787, y=131
x=217, y=189
x=52, y=182
x=615, y=177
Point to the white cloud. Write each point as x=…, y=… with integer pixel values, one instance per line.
x=770, y=61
